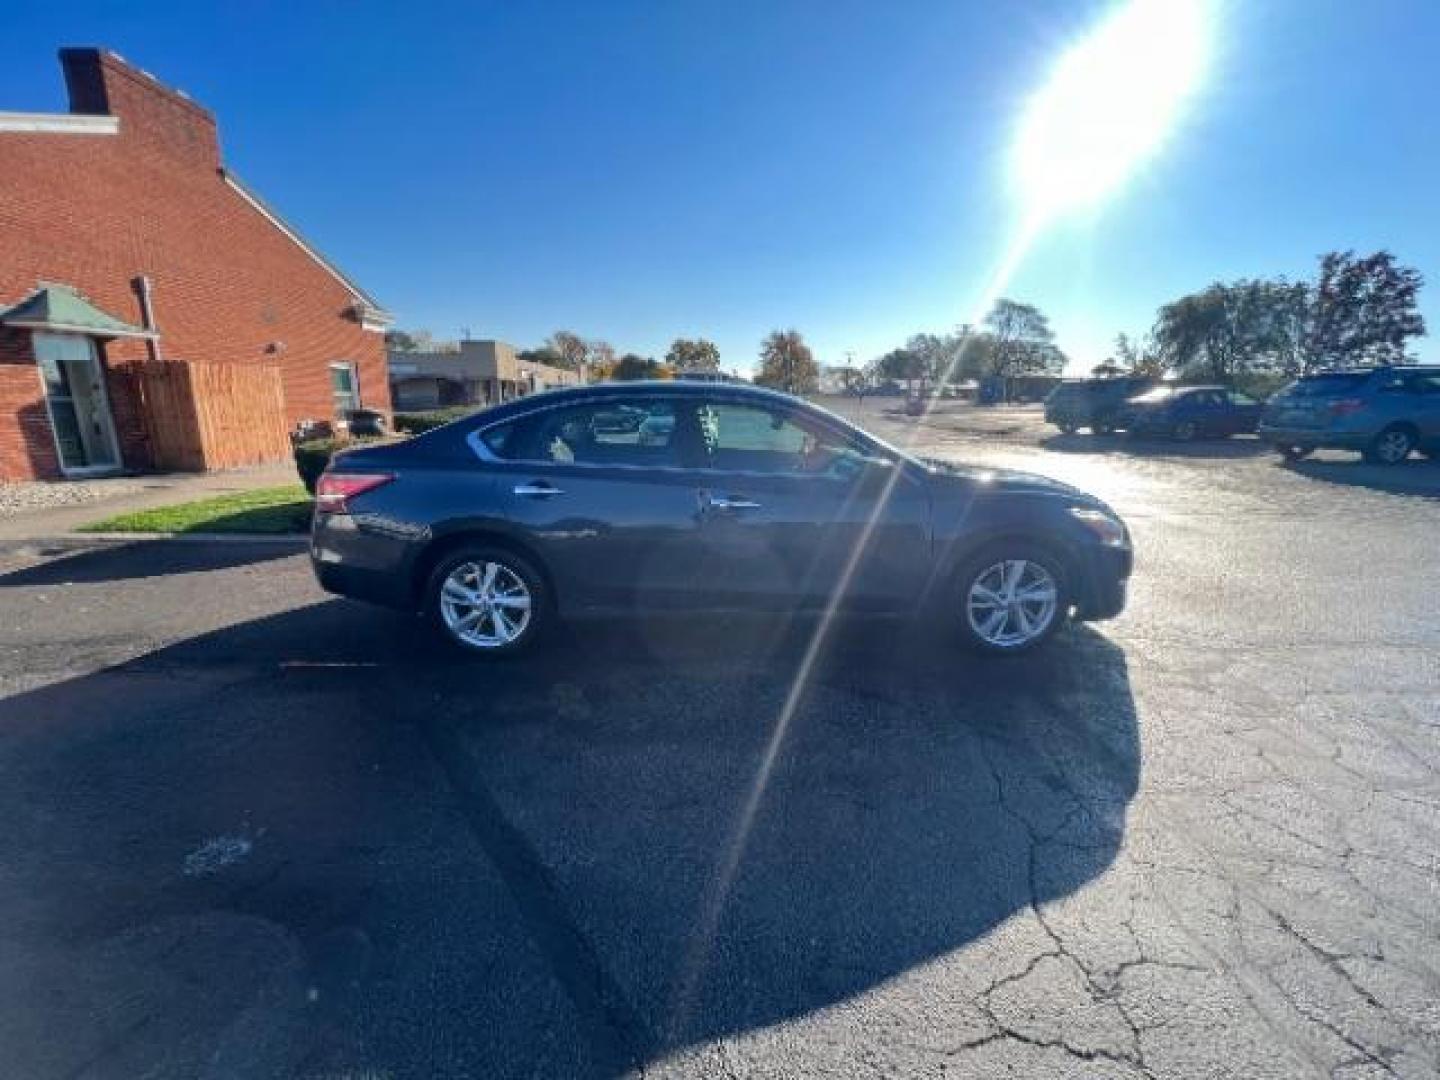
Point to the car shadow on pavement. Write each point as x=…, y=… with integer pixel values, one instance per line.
x=1235, y=448
x=1416, y=478
x=146, y=558
x=704, y=827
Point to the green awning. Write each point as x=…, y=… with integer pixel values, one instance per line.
x=61, y=309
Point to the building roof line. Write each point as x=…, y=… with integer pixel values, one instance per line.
x=59, y=123
x=376, y=311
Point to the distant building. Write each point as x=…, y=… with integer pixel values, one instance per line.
x=155, y=313
x=478, y=373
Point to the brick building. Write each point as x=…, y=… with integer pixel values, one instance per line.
x=148, y=298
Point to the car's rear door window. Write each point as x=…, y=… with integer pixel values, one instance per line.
x=636, y=432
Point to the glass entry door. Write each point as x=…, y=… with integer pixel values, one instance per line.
x=79, y=408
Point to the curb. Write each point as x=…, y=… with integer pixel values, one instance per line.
x=42, y=545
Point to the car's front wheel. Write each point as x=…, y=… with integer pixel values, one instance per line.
x=1013, y=596
x=487, y=601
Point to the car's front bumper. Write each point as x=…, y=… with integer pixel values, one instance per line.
x=1102, y=592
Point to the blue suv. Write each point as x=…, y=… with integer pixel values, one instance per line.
x=1385, y=413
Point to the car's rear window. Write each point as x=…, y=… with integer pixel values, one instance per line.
x=1331, y=385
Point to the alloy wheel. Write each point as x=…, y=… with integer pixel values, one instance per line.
x=1012, y=603
x=1393, y=447
x=485, y=605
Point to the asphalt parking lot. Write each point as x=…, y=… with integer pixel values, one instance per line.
x=254, y=832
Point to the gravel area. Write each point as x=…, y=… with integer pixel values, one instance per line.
x=18, y=498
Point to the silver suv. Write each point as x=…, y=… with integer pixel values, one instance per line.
x=1384, y=413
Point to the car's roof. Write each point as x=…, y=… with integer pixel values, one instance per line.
x=1370, y=370
x=644, y=387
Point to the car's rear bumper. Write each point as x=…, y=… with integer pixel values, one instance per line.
x=361, y=562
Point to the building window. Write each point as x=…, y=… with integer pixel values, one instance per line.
x=344, y=389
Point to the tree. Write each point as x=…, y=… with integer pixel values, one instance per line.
x=1022, y=342
x=632, y=366
x=543, y=355
x=1362, y=311
x=571, y=349
x=900, y=365
x=786, y=363
x=696, y=355
x=1228, y=331
x=599, y=358
x=403, y=340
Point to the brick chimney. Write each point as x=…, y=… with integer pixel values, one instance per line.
x=169, y=123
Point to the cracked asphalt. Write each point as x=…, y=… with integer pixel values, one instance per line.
x=250, y=831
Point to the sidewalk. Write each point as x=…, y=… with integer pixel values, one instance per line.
x=135, y=493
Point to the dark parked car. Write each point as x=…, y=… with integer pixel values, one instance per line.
x=1190, y=412
x=1384, y=413
x=741, y=498
x=1092, y=403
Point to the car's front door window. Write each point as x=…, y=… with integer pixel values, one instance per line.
x=772, y=442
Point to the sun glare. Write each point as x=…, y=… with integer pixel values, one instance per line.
x=1110, y=103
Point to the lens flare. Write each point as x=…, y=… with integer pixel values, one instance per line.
x=1110, y=103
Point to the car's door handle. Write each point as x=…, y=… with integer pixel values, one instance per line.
x=725, y=503
x=540, y=488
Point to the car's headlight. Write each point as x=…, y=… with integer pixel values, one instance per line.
x=1107, y=529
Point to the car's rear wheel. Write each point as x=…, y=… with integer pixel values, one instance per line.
x=1102, y=427
x=487, y=601
x=1067, y=427
x=1391, y=446
x=1013, y=596
x=1295, y=453
x=1185, y=431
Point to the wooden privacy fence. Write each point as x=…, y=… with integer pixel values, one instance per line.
x=210, y=416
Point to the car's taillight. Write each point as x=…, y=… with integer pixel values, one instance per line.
x=333, y=490
x=1345, y=406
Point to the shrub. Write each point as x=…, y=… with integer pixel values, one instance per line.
x=417, y=422
x=312, y=456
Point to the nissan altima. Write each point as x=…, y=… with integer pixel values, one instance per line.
x=723, y=498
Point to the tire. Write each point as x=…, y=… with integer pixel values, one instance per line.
x=981, y=573
x=1102, y=427
x=1067, y=427
x=500, y=628
x=1392, y=446
x=1184, y=431
x=1295, y=453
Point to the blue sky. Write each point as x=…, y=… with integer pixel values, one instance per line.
x=641, y=170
